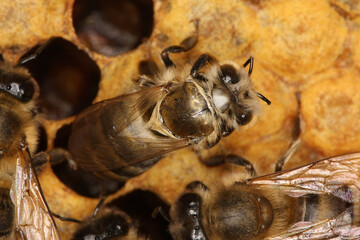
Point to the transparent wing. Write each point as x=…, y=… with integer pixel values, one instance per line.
x=33, y=218
x=146, y=148
x=111, y=134
x=339, y=176
x=338, y=228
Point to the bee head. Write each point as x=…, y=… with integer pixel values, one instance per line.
x=17, y=82
x=236, y=95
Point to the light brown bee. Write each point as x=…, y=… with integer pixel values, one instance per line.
x=195, y=103
x=23, y=211
x=320, y=200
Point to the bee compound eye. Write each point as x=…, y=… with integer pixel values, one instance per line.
x=229, y=74
x=244, y=118
x=19, y=86
x=22, y=91
x=26, y=91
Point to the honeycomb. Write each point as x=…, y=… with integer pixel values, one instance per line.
x=306, y=52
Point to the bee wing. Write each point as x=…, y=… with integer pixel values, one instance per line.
x=147, y=148
x=111, y=134
x=339, y=176
x=33, y=218
x=338, y=227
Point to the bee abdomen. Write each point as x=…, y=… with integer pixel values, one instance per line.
x=322, y=207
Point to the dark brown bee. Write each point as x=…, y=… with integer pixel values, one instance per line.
x=127, y=217
x=108, y=224
x=23, y=211
x=319, y=200
x=195, y=103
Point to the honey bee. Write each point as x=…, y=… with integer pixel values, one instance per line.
x=195, y=103
x=127, y=217
x=320, y=200
x=109, y=223
x=24, y=213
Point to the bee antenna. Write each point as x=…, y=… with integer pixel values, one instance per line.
x=160, y=211
x=263, y=98
x=96, y=210
x=36, y=53
x=251, y=61
x=65, y=219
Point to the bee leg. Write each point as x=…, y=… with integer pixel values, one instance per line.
x=187, y=44
x=59, y=155
x=293, y=145
x=231, y=158
x=65, y=219
x=39, y=160
x=98, y=206
x=200, y=63
x=148, y=67
x=160, y=211
x=147, y=70
x=288, y=154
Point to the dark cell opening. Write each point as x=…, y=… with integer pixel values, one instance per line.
x=62, y=136
x=111, y=27
x=140, y=205
x=67, y=77
x=84, y=183
x=42, y=144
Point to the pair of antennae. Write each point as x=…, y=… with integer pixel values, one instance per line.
x=251, y=62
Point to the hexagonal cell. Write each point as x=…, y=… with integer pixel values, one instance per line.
x=112, y=27
x=330, y=110
x=67, y=77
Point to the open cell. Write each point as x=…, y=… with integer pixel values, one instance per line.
x=111, y=27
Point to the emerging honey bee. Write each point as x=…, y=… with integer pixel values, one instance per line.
x=196, y=103
x=109, y=223
x=320, y=200
x=127, y=217
x=23, y=211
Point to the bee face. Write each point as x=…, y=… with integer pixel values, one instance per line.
x=17, y=82
x=109, y=224
x=243, y=98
